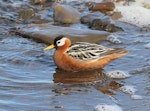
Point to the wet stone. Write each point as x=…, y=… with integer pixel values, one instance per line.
x=116, y=15
x=99, y=21
x=97, y=24
x=26, y=14
x=46, y=33
x=87, y=19
x=66, y=14
x=103, y=7
x=38, y=1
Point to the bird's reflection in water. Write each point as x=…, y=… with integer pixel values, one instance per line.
x=94, y=78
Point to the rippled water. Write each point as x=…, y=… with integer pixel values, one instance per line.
x=27, y=76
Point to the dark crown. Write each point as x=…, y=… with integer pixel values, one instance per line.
x=58, y=38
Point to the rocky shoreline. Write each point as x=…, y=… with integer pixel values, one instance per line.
x=45, y=19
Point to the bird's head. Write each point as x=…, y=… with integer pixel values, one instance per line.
x=59, y=42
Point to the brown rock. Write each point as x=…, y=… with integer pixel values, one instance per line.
x=102, y=7
x=116, y=15
x=38, y=1
x=26, y=14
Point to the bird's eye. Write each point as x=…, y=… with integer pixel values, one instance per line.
x=58, y=42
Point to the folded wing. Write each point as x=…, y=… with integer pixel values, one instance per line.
x=83, y=51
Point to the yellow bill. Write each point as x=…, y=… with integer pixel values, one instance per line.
x=49, y=47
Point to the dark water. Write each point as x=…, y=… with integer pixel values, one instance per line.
x=29, y=80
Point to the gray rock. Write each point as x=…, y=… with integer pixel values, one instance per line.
x=66, y=14
x=87, y=19
x=99, y=21
x=46, y=33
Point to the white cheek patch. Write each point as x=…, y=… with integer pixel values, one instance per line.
x=61, y=42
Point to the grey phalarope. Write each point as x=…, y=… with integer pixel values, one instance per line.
x=82, y=56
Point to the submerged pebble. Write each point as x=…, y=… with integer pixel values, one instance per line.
x=59, y=107
x=106, y=107
x=26, y=14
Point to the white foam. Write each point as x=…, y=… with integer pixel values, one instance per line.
x=136, y=97
x=147, y=46
x=128, y=89
x=105, y=107
x=114, y=39
x=117, y=74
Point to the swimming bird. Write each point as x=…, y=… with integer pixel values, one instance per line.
x=82, y=56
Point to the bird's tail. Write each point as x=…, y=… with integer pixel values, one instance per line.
x=112, y=55
x=117, y=53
